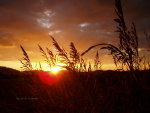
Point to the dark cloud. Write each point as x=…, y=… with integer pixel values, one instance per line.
x=138, y=11
x=22, y=13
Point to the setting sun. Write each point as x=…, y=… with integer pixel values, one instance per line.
x=55, y=69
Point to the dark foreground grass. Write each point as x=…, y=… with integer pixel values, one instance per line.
x=94, y=92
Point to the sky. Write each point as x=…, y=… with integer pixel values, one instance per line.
x=84, y=22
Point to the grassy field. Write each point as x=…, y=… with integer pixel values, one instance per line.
x=75, y=92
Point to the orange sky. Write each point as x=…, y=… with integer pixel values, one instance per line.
x=84, y=22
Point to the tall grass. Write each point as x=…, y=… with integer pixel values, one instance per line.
x=75, y=57
x=71, y=61
x=126, y=54
x=97, y=62
x=148, y=44
x=148, y=40
x=53, y=58
x=25, y=61
x=45, y=56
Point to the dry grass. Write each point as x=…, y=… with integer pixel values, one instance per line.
x=25, y=61
x=45, y=56
x=97, y=62
x=72, y=61
x=126, y=55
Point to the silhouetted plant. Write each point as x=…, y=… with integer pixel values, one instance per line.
x=47, y=60
x=82, y=65
x=148, y=40
x=72, y=61
x=148, y=43
x=40, y=66
x=75, y=56
x=52, y=56
x=128, y=38
x=89, y=67
x=61, y=52
x=25, y=61
x=127, y=52
x=97, y=62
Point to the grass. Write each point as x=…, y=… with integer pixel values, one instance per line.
x=25, y=61
x=72, y=60
x=126, y=55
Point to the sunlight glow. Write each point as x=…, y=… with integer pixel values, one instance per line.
x=55, y=69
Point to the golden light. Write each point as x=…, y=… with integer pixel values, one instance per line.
x=51, y=75
x=55, y=69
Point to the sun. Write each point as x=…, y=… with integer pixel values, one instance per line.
x=56, y=69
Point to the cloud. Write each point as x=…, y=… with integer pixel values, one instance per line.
x=84, y=25
x=45, y=18
x=27, y=14
x=44, y=23
x=54, y=32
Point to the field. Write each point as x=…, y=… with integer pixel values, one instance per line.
x=75, y=92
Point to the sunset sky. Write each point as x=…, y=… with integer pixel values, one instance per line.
x=84, y=22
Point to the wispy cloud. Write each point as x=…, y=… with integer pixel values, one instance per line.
x=44, y=23
x=84, y=25
x=54, y=32
x=44, y=18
